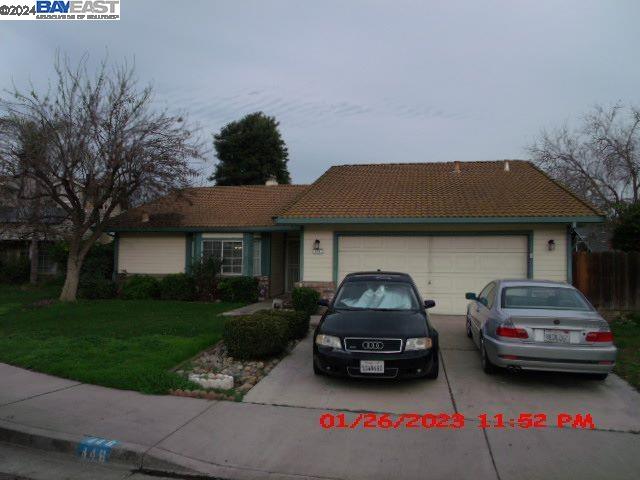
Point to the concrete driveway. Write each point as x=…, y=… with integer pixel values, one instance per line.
x=612, y=448
x=461, y=387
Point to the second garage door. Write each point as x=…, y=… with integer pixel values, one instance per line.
x=443, y=267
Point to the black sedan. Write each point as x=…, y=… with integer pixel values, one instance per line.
x=376, y=326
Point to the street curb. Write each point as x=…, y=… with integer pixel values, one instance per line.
x=14, y=433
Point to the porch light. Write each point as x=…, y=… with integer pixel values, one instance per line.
x=551, y=245
x=316, y=248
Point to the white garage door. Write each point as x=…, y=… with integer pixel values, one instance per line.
x=444, y=268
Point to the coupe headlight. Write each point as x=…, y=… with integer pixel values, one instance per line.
x=422, y=343
x=328, y=341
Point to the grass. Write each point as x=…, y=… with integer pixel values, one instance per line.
x=626, y=333
x=126, y=344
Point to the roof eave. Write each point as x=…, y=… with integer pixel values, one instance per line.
x=435, y=220
x=273, y=228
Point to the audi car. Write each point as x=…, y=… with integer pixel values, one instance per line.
x=539, y=325
x=376, y=326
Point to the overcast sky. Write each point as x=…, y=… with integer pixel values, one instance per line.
x=362, y=81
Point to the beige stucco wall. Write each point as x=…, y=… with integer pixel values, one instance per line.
x=547, y=265
x=151, y=253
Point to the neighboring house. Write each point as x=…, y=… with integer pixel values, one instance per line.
x=23, y=222
x=593, y=237
x=452, y=226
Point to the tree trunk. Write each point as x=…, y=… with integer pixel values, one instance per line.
x=71, y=281
x=33, y=257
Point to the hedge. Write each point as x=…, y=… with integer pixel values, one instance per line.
x=15, y=271
x=297, y=322
x=96, y=288
x=238, y=289
x=255, y=336
x=305, y=300
x=140, y=287
x=178, y=286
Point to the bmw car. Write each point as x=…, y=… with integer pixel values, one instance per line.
x=539, y=325
x=376, y=326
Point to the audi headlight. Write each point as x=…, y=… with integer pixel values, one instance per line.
x=328, y=341
x=422, y=343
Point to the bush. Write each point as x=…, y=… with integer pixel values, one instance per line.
x=297, y=322
x=305, y=300
x=255, y=336
x=238, y=289
x=96, y=288
x=205, y=275
x=626, y=230
x=140, y=287
x=98, y=263
x=15, y=270
x=177, y=286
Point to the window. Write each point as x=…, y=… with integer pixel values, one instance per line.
x=46, y=264
x=376, y=295
x=257, y=257
x=554, y=298
x=487, y=296
x=228, y=252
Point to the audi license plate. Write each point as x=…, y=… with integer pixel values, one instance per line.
x=371, y=366
x=556, y=336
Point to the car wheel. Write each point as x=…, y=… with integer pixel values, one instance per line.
x=469, y=334
x=432, y=373
x=599, y=376
x=316, y=370
x=487, y=366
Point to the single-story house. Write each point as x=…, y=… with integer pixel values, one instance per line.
x=453, y=226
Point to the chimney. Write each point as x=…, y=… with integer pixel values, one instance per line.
x=456, y=167
x=271, y=181
x=506, y=165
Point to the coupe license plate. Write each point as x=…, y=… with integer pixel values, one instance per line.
x=371, y=366
x=556, y=336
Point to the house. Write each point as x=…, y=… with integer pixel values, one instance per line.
x=453, y=226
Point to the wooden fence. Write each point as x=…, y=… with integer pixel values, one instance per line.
x=610, y=280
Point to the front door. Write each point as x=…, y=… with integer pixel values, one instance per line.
x=292, y=273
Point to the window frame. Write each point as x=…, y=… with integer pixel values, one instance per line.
x=221, y=256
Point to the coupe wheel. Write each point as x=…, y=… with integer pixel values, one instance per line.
x=469, y=334
x=487, y=366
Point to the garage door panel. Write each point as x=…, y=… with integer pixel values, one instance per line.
x=443, y=268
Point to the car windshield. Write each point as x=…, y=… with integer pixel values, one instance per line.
x=555, y=298
x=376, y=295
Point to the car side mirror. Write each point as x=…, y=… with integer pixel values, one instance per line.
x=470, y=296
x=323, y=302
x=429, y=304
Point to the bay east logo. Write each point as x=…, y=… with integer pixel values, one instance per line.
x=78, y=6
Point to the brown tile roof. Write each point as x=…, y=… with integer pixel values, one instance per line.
x=479, y=189
x=203, y=207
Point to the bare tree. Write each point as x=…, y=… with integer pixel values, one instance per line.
x=105, y=144
x=600, y=160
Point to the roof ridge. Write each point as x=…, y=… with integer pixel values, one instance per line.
x=427, y=163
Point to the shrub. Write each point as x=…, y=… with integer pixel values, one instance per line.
x=140, y=287
x=205, y=275
x=255, y=336
x=297, y=322
x=305, y=300
x=238, y=289
x=177, y=286
x=15, y=270
x=97, y=263
x=96, y=288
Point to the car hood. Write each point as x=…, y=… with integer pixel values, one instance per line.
x=371, y=323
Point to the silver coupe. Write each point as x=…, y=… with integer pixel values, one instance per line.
x=539, y=325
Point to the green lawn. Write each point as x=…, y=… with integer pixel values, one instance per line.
x=124, y=344
x=626, y=333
